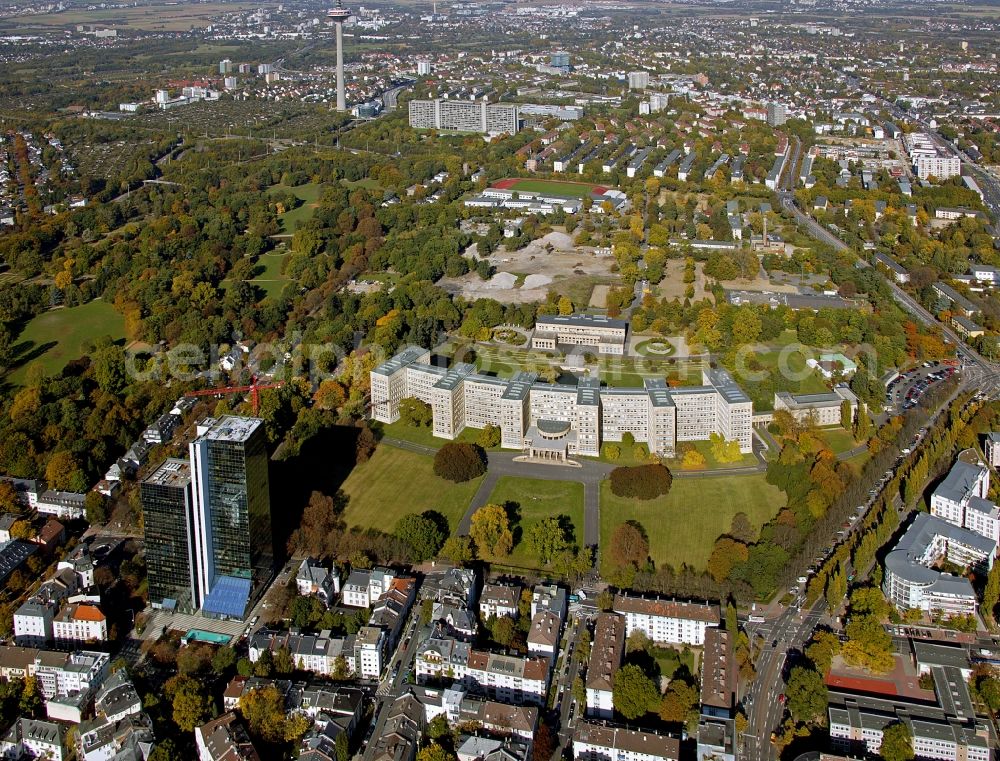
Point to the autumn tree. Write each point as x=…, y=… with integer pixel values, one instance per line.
x=264, y=711
x=633, y=693
x=678, y=702
x=548, y=538
x=319, y=528
x=458, y=550
x=491, y=531
x=434, y=752
x=726, y=554
x=422, y=533
x=806, y=695
x=641, y=481
x=415, y=413
x=629, y=545
x=459, y=461
x=191, y=704
x=897, y=743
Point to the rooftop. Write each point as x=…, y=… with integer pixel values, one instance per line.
x=173, y=472
x=232, y=428
x=582, y=320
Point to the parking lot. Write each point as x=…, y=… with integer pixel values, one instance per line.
x=905, y=391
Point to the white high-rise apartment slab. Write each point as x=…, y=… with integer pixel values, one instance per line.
x=339, y=15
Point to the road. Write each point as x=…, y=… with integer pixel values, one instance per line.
x=569, y=710
x=789, y=631
x=590, y=474
x=982, y=370
x=394, y=680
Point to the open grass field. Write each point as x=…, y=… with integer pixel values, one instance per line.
x=682, y=527
x=554, y=187
x=537, y=500
x=838, y=439
x=366, y=184
x=424, y=436
x=270, y=280
x=161, y=17
x=395, y=482
x=55, y=337
x=309, y=194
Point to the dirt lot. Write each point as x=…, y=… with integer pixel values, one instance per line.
x=527, y=275
x=673, y=286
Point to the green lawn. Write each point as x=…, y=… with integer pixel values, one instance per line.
x=683, y=526
x=55, y=337
x=670, y=659
x=396, y=482
x=566, y=189
x=366, y=184
x=425, y=435
x=270, y=280
x=309, y=194
x=537, y=499
x=838, y=439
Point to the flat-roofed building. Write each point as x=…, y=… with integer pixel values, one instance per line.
x=464, y=116
x=822, y=409
x=606, y=334
x=949, y=731
x=961, y=498
x=911, y=582
x=555, y=421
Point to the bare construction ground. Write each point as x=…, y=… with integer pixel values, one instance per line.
x=551, y=262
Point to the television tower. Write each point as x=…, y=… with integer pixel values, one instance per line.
x=339, y=15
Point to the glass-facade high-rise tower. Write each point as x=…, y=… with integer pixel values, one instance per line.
x=169, y=534
x=234, y=556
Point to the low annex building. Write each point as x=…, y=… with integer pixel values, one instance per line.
x=605, y=334
x=555, y=421
x=822, y=409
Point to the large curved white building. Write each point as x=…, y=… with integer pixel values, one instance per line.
x=911, y=583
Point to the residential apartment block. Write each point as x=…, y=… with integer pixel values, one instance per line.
x=961, y=498
x=465, y=116
x=605, y=659
x=459, y=707
x=912, y=583
x=499, y=600
x=555, y=421
x=28, y=738
x=80, y=623
x=597, y=742
x=506, y=678
x=667, y=621
x=929, y=159
x=359, y=653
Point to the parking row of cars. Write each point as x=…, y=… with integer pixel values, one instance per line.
x=908, y=387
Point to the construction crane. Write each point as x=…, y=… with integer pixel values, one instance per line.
x=254, y=388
